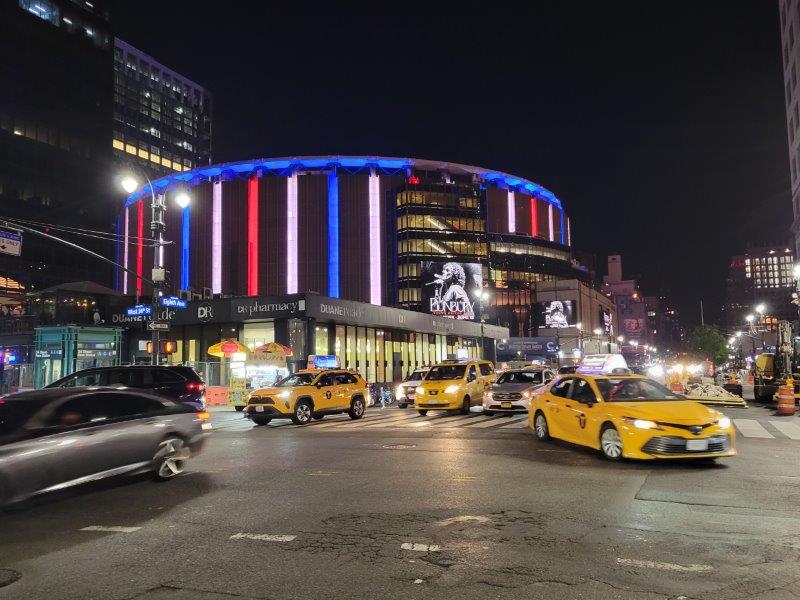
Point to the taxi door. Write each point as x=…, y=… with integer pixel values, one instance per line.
x=556, y=403
x=345, y=389
x=585, y=412
x=325, y=398
x=474, y=384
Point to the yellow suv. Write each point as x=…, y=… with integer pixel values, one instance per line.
x=454, y=385
x=309, y=394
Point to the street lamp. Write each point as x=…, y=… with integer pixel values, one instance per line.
x=738, y=334
x=761, y=308
x=482, y=295
x=129, y=183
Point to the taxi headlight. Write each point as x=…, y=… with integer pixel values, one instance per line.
x=724, y=422
x=420, y=390
x=451, y=389
x=488, y=395
x=285, y=394
x=399, y=392
x=642, y=423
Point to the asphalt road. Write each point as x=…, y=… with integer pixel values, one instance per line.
x=453, y=509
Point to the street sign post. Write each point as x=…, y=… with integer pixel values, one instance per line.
x=140, y=310
x=156, y=326
x=10, y=242
x=173, y=302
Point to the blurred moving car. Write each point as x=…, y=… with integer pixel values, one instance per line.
x=176, y=382
x=407, y=390
x=307, y=394
x=513, y=390
x=629, y=416
x=53, y=439
x=454, y=385
x=567, y=369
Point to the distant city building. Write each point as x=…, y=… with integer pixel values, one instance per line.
x=631, y=307
x=162, y=120
x=761, y=275
x=790, y=44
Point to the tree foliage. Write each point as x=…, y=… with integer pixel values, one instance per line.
x=706, y=341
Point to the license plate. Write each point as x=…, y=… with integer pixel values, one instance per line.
x=696, y=445
x=505, y=405
x=434, y=392
x=259, y=409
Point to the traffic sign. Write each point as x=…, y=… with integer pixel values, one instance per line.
x=140, y=310
x=156, y=326
x=173, y=302
x=10, y=242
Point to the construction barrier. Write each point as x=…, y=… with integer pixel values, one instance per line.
x=786, y=404
x=714, y=395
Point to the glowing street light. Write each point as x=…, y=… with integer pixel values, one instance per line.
x=761, y=308
x=598, y=331
x=182, y=199
x=621, y=339
x=129, y=184
x=749, y=318
x=738, y=334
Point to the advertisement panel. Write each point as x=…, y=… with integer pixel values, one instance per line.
x=607, y=321
x=448, y=289
x=555, y=314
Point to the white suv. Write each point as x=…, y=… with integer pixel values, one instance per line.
x=513, y=390
x=405, y=392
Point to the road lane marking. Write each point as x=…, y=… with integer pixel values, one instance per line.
x=111, y=529
x=752, y=428
x=345, y=420
x=497, y=420
x=649, y=564
x=438, y=421
x=263, y=537
x=787, y=428
x=463, y=478
x=397, y=422
x=461, y=519
x=420, y=547
x=521, y=423
x=322, y=473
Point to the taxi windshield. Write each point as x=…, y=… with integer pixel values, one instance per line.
x=633, y=390
x=295, y=380
x=446, y=372
x=415, y=376
x=529, y=377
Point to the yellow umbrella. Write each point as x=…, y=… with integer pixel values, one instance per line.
x=226, y=348
x=274, y=348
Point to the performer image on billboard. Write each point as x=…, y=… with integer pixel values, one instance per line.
x=450, y=297
x=554, y=315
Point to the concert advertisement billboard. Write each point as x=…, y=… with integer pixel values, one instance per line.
x=449, y=289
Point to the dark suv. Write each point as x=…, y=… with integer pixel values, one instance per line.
x=178, y=383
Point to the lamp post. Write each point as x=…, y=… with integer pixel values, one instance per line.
x=157, y=227
x=579, y=327
x=482, y=295
x=761, y=309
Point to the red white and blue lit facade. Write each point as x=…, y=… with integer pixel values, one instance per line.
x=351, y=227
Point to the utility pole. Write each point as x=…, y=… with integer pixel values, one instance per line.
x=157, y=227
x=702, y=320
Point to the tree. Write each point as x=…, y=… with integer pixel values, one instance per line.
x=708, y=342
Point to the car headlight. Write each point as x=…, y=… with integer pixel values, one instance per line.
x=724, y=422
x=488, y=395
x=420, y=389
x=642, y=423
x=399, y=392
x=451, y=389
x=285, y=394
x=526, y=395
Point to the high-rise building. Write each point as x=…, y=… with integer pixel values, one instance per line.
x=162, y=120
x=55, y=131
x=790, y=46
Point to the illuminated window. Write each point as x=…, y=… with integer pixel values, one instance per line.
x=166, y=162
x=144, y=154
x=45, y=10
x=118, y=145
x=130, y=149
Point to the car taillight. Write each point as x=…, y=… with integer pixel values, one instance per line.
x=203, y=415
x=195, y=387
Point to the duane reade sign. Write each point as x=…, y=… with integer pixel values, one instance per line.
x=10, y=242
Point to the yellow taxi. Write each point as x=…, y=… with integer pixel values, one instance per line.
x=629, y=416
x=454, y=385
x=307, y=394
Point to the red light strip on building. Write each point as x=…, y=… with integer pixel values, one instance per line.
x=534, y=218
x=252, y=236
x=125, y=261
x=139, y=246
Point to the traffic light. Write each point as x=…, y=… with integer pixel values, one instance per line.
x=165, y=347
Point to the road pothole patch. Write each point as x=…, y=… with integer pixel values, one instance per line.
x=9, y=576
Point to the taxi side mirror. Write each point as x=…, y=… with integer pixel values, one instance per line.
x=319, y=384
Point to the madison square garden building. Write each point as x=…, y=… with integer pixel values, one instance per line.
x=349, y=232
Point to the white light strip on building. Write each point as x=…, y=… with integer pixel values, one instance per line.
x=216, y=239
x=569, y=233
x=374, y=238
x=291, y=234
x=163, y=199
x=550, y=219
x=125, y=262
x=512, y=213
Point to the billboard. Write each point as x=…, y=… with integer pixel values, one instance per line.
x=448, y=289
x=555, y=314
x=606, y=321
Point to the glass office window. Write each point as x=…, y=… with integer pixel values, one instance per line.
x=340, y=344
x=371, y=356
x=380, y=366
x=351, y=348
x=321, y=339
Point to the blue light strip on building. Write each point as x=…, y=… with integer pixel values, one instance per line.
x=333, y=234
x=563, y=218
x=185, y=250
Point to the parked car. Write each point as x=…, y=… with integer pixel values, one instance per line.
x=176, y=382
x=53, y=439
x=407, y=390
x=513, y=390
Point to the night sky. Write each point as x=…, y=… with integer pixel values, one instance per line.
x=661, y=129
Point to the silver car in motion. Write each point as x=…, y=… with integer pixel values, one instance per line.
x=513, y=390
x=58, y=438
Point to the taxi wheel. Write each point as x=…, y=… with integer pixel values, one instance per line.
x=465, y=406
x=356, y=408
x=540, y=427
x=611, y=443
x=261, y=420
x=422, y=412
x=302, y=413
x=319, y=417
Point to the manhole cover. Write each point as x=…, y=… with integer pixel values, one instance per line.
x=399, y=446
x=7, y=577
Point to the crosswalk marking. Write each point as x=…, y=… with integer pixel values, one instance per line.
x=752, y=428
x=393, y=422
x=491, y=422
x=787, y=428
x=439, y=421
x=520, y=424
